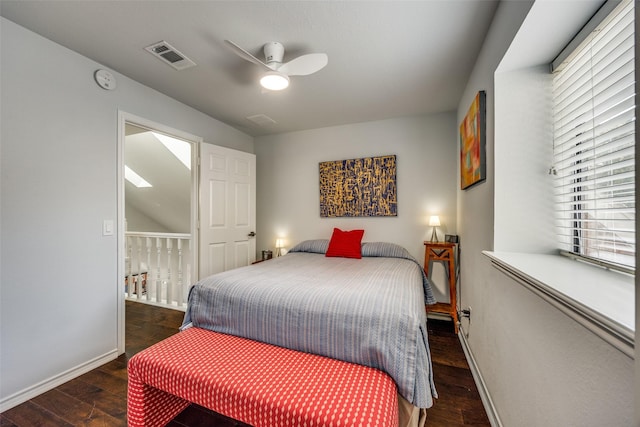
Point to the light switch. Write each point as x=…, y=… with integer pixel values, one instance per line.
x=107, y=227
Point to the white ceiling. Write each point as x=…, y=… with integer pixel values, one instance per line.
x=386, y=58
x=168, y=201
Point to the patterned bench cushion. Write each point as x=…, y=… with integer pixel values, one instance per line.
x=256, y=383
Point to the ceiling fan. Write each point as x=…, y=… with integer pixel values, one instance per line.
x=276, y=76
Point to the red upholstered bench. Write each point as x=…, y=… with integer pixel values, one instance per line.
x=256, y=383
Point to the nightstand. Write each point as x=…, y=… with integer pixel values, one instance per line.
x=443, y=252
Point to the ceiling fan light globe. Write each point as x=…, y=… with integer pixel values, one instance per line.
x=273, y=80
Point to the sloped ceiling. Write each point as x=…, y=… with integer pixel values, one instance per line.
x=386, y=58
x=167, y=204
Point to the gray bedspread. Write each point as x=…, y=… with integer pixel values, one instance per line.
x=368, y=311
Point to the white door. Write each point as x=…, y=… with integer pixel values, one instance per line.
x=227, y=209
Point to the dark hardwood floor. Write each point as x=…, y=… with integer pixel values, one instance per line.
x=99, y=397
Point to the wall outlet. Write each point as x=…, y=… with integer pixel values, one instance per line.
x=466, y=313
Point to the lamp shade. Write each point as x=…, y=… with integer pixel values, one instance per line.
x=274, y=80
x=279, y=246
x=434, y=221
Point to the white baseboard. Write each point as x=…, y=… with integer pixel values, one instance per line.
x=53, y=382
x=489, y=407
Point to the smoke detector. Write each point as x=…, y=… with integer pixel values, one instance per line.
x=170, y=55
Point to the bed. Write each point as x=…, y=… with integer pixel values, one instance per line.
x=369, y=311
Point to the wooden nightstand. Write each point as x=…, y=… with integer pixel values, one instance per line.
x=445, y=253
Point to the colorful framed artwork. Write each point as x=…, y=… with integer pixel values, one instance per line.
x=359, y=187
x=473, y=130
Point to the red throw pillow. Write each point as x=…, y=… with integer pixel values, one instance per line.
x=346, y=244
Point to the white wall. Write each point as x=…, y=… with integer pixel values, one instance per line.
x=58, y=289
x=288, y=180
x=540, y=367
x=523, y=155
x=139, y=221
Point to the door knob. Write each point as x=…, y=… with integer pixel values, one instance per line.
x=252, y=234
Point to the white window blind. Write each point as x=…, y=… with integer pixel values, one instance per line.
x=594, y=137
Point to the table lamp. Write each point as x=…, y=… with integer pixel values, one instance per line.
x=434, y=222
x=279, y=246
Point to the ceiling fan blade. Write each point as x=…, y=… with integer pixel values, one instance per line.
x=305, y=64
x=245, y=55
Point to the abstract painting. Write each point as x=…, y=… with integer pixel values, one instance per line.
x=473, y=163
x=358, y=187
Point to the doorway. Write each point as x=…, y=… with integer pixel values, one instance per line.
x=157, y=215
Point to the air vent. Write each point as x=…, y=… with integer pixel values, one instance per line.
x=261, y=120
x=170, y=55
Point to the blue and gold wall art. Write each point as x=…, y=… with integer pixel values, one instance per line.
x=359, y=187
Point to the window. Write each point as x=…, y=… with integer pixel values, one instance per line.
x=525, y=245
x=594, y=137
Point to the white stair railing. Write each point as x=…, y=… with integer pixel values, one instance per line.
x=161, y=280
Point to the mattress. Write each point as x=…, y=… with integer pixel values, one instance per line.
x=368, y=311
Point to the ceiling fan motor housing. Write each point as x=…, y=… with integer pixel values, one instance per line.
x=273, y=53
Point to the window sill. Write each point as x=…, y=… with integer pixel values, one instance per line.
x=601, y=300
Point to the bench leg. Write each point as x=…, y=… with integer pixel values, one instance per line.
x=149, y=407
